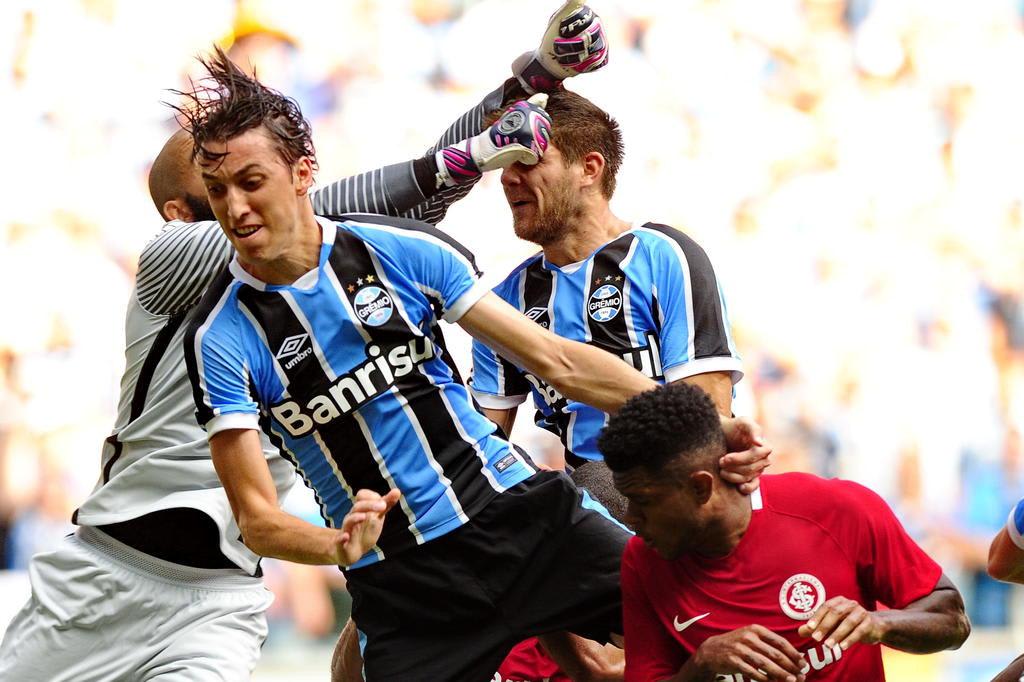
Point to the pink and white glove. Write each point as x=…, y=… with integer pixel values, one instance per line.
x=520, y=135
x=573, y=43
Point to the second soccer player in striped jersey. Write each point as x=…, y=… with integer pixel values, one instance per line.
x=644, y=292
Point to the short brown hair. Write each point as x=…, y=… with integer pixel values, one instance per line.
x=579, y=127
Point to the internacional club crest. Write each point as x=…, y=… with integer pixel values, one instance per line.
x=604, y=303
x=373, y=306
x=801, y=596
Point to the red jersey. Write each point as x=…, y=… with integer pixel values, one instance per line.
x=528, y=662
x=809, y=540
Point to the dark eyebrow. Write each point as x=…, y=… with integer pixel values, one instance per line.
x=244, y=171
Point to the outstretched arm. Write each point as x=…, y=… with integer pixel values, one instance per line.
x=578, y=371
x=409, y=189
x=573, y=43
x=424, y=188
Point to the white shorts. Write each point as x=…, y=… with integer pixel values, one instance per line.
x=101, y=610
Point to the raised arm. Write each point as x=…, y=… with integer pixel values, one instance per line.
x=573, y=43
x=409, y=189
x=581, y=372
x=424, y=188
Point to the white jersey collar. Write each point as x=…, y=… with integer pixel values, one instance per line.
x=570, y=268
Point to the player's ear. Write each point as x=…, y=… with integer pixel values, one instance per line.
x=702, y=484
x=176, y=209
x=593, y=164
x=302, y=174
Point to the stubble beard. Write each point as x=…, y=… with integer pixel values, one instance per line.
x=554, y=222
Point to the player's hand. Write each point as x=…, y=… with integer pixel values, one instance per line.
x=573, y=43
x=520, y=135
x=747, y=455
x=844, y=622
x=753, y=651
x=361, y=527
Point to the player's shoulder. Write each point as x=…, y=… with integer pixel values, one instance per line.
x=662, y=236
x=822, y=500
x=375, y=228
x=666, y=242
x=512, y=279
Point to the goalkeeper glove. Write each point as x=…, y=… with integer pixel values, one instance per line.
x=573, y=43
x=520, y=135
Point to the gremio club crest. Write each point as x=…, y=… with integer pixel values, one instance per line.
x=605, y=303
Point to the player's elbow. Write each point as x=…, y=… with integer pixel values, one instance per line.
x=963, y=630
x=959, y=628
x=555, y=365
x=257, y=531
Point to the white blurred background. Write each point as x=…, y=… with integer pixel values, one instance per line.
x=855, y=169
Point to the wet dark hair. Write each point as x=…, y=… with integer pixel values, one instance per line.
x=229, y=103
x=659, y=428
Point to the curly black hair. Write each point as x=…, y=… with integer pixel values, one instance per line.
x=654, y=428
x=229, y=103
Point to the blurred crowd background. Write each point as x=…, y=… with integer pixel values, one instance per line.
x=855, y=169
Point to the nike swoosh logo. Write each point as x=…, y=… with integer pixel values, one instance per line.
x=682, y=626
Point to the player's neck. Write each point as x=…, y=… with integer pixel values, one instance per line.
x=591, y=231
x=301, y=256
x=729, y=525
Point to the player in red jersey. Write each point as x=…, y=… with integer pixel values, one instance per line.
x=785, y=584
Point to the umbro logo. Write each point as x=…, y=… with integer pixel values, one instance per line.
x=685, y=624
x=294, y=346
x=536, y=313
x=291, y=345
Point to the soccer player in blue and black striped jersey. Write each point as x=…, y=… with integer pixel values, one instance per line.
x=319, y=333
x=644, y=292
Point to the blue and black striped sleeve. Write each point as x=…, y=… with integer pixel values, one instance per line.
x=217, y=363
x=688, y=301
x=495, y=382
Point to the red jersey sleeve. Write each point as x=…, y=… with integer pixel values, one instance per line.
x=891, y=567
x=651, y=652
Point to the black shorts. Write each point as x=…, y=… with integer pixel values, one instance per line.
x=535, y=560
